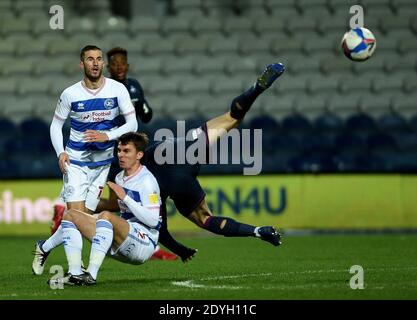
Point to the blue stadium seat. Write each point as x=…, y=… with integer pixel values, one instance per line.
x=360, y=121
x=35, y=127
x=352, y=150
x=328, y=122
x=18, y=146
x=349, y=142
x=288, y=141
x=32, y=145
x=319, y=142
x=36, y=166
x=3, y=146
x=7, y=127
x=264, y=122
x=314, y=163
x=381, y=144
x=405, y=162
x=345, y=162
x=296, y=123
x=367, y=162
x=269, y=141
x=8, y=169
x=406, y=141
x=361, y=124
x=392, y=122
x=279, y=150
x=279, y=161
x=413, y=123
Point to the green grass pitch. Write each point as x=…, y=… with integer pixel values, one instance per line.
x=304, y=267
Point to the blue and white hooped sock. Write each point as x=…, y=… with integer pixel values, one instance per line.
x=73, y=244
x=53, y=241
x=101, y=244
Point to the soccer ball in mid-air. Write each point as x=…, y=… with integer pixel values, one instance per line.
x=358, y=44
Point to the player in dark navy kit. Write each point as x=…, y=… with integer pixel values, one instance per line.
x=179, y=181
x=118, y=66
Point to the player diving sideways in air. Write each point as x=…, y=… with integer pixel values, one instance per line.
x=179, y=182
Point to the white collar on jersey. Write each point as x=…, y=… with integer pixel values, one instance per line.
x=127, y=178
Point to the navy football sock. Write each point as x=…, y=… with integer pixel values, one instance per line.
x=241, y=104
x=171, y=244
x=231, y=228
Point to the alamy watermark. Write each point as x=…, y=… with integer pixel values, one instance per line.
x=357, y=281
x=56, y=281
x=57, y=19
x=356, y=21
x=193, y=147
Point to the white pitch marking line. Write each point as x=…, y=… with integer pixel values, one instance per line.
x=237, y=276
x=192, y=285
x=188, y=284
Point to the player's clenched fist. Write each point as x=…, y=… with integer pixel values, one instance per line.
x=63, y=162
x=118, y=190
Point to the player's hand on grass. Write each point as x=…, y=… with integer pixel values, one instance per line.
x=191, y=254
x=118, y=190
x=63, y=162
x=95, y=136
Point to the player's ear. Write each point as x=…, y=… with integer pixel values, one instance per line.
x=81, y=65
x=140, y=155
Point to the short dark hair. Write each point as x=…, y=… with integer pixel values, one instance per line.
x=116, y=50
x=139, y=139
x=88, y=48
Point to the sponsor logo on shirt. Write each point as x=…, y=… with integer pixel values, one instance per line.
x=100, y=116
x=108, y=103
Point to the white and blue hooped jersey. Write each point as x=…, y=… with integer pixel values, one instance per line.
x=143, y=188
x=95, y=110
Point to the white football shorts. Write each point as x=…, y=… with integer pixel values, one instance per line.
x=138, y=246
x=84, y=184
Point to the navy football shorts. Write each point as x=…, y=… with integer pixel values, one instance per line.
x=178, y=181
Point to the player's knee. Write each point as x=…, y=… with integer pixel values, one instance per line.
x=68, y=215
x=105, y=215
x=200, y=217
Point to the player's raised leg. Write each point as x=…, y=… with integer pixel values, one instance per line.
x=219, y=126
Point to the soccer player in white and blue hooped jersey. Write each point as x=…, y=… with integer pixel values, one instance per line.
x=131, y=237
x=92, y=105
